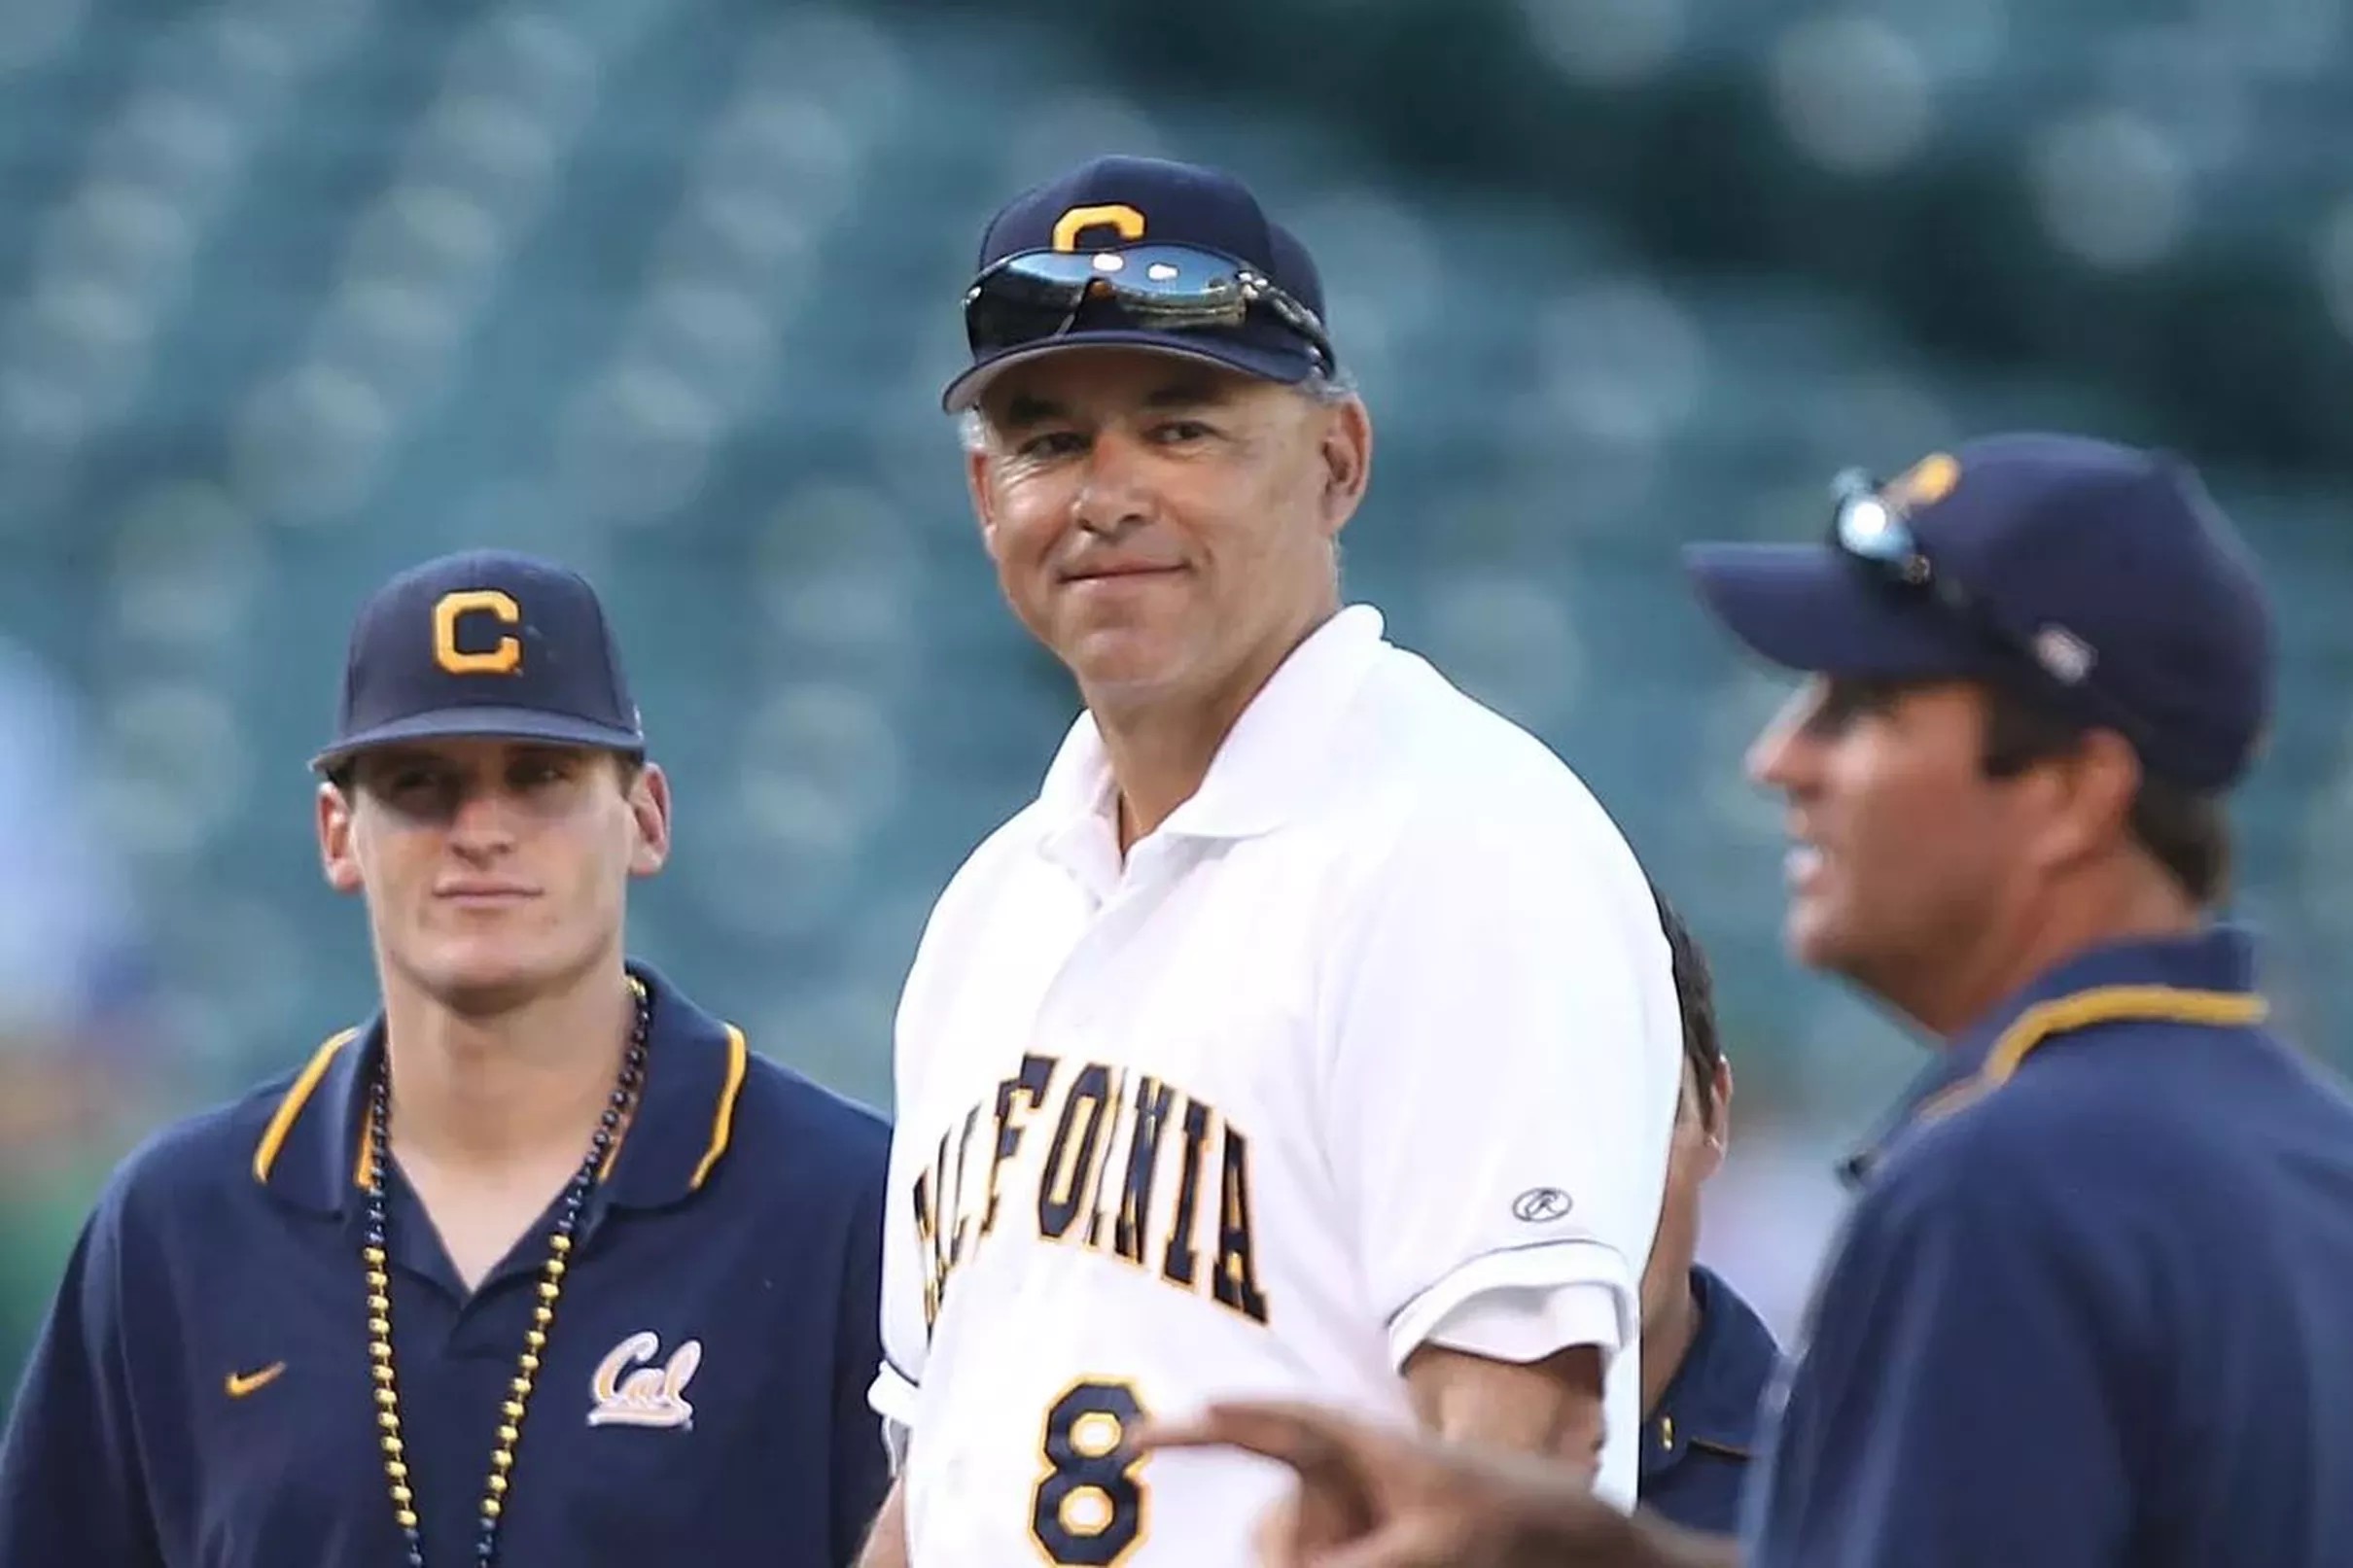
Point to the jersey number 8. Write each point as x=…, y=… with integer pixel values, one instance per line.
x=1088, y=1509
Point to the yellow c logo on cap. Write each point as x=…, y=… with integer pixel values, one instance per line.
x=1925, y=483
x=504, y=659
x=1079, y=219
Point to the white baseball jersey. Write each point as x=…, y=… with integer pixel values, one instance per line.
x=1374, y=1042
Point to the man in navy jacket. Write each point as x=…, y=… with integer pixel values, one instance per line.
x=537, y=1265
x=2089, y=1309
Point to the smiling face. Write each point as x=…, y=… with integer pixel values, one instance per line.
x=1166, y=527
x=493, y=871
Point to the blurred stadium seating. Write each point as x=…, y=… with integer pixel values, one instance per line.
x=297, y=292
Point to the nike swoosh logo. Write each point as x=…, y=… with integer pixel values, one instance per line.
x=240, y=1384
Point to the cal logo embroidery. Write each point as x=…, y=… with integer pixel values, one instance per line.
x=506, y=657
x=1126, y=219
x=650, y=1395
x=1925, y=483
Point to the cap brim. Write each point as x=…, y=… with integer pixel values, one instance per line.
x=484, y=724
x=1801, y=606
x=1286, y=364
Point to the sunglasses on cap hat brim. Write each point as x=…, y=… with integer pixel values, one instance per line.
x=1036, y=296
x=1853, y=610
x=1872, y=532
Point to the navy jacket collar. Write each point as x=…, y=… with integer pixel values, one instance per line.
x=1712, y=1399
x=312, y=1153
x=2207, y=977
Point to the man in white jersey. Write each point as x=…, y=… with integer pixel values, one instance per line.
x=1312, y=1032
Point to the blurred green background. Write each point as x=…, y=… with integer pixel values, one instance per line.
x=295, y=293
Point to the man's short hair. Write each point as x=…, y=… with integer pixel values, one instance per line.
x=1695, y=993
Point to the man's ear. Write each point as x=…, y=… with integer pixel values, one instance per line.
x=978, y=464
x=649, y=806
x=1346, y=450
x=1719, y=1130
x=2088, y=797
x=337, y=856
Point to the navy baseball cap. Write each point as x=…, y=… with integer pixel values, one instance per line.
x=1158, y=210
x=487, y=643
x=2100, y=578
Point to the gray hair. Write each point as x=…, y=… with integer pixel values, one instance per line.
x=1320, y=388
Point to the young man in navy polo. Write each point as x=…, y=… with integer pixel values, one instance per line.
x=540, y=1265
x=1706, y=1356
x=2089, y=1308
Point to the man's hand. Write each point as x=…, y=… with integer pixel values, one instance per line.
x=1379, y=1497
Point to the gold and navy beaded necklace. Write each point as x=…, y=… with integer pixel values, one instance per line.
x=542, y=1312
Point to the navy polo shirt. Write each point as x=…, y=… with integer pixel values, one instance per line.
x=2091, y=1307
x=1696, y=1442
x=200, y=1395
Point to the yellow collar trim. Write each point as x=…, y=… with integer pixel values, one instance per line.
x=2102, y=1004
x=297, y=1095
x=722, y=1122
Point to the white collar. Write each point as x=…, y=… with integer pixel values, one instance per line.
x=1268, y=764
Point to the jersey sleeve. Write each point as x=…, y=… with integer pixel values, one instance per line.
x=905, y=1332
x=1503, y=1062
x=1955, y=1402
x=906, y=1320
x=71, y=1486
x=860, y=1465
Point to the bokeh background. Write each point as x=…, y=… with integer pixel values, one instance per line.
x=296, y=293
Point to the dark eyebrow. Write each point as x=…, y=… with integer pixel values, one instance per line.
x=1024, y=410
